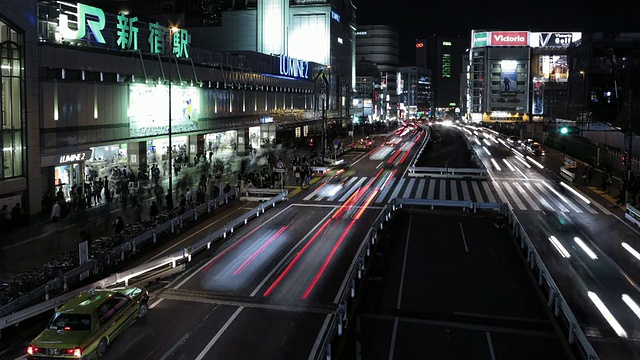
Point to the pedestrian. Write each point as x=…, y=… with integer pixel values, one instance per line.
x=153, y=211
x=55, y=211
x=118, y=225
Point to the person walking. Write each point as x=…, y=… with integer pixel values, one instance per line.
x=55, y=211
x=153, y=211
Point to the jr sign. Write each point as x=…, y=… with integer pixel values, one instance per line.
x=125, y=29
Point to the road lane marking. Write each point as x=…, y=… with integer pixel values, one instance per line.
x=487, y=191
x=420, y=189
x=404, y=263
x=443, y=190
x=476, y=190
x=465, y=191
x=384, y=192
x=515, y=198
x=407, y=191
x=526, y=196
x=464, y=240
x=493, y=355
x=454, y=190
x=432, y=188
x=397, y=189
x=219, y=334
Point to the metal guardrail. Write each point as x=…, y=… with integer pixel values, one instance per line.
x=347, y=292
x=632, y=214
x=555, y=301
x=169, y=261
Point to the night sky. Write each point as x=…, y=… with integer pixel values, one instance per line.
x=419, y=18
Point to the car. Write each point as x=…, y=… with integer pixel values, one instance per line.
x=85, y=325
x=536, y=149
x=364, y=144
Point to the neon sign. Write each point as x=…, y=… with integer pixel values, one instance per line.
x=125, y=29
x=293, y=67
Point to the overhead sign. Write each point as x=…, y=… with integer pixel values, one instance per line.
x=293, y=67
x=554, y=39
x=266, y=120
x=509, y=38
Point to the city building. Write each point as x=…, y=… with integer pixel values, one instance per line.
x=414, y=90
x=517, y=76
x=379, y=44
x=80, y=101
x=443, y=56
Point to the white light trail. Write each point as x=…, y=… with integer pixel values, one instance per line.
x=576, y=193
x=495, y=163
x=478, y=141
x=517, y=152
x=631, y=250
x=523, y=161
x=509, y=165
x=607, y=314
x=486, y=141
x=535, y=162
x=631, y=304
x=585, y=248
x=559, y=247
x=487, y=150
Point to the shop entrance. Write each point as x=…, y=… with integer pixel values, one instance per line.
x=67, y=176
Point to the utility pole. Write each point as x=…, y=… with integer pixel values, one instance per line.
x=629, y=158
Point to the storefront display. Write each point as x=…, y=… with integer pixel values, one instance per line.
x=221, y=141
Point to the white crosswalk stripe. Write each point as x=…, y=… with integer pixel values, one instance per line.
x=384, y=192
x=525, y=195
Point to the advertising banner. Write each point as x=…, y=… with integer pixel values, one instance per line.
x=510, y=38
x=554, y=68
x=149, y=109
x=554, y=39
x=538, y=97
x=509, y=76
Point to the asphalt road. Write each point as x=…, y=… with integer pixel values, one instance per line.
x=268, y=290
x=596, y=262
x=451, y=151
x=449, y=285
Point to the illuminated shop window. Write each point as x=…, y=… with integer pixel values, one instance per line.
x=11, y=120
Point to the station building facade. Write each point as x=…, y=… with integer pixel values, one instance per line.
x=82, y=88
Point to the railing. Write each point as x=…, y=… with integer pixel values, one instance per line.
x=169, y=261
x=334, y=326
x=632, y=214
x=555, y=299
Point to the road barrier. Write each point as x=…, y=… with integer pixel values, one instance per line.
x=169, y=261
x=335, y=324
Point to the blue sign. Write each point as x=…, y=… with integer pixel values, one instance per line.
x=335, y=16
x=293, y=67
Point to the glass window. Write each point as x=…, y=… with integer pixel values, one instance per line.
x=12, y=130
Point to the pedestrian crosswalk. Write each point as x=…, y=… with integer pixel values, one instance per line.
x=525, y=195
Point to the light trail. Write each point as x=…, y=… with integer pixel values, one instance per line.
x=607, y=314
x=295, y=259
x=323, y=268
x=229, y=249
x=259, y=251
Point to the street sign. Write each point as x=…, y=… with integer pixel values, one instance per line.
x=335, y=142
x=335, y=146
x=280, y=170
x=280, y=165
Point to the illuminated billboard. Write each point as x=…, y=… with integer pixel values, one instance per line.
x=554, y=39
x=499, y=38
x=149, y=109
x=553, y=68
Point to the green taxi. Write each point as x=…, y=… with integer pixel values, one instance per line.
x=84, y=326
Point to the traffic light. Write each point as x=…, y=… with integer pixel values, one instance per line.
x=564, y=130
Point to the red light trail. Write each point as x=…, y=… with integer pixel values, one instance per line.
x=259, y=251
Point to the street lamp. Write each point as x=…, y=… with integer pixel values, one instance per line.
x=169, y=199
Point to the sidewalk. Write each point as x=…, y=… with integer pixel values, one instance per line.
x=554, y=160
